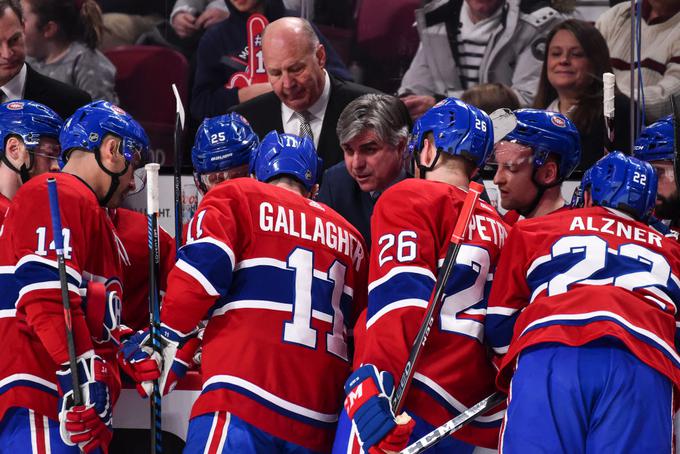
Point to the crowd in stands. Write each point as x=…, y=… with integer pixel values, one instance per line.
x=492, y=53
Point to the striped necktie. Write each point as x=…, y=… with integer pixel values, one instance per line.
x=305, y=128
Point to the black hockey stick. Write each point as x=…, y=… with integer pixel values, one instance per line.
x=675, y=106
x=454, y=424
x=154, y=304
x=179, y=133
x=63, y=281
x=437, y=294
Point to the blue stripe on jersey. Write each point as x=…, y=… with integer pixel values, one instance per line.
x=27, y=382
x=615, y=266
x=248, y=284
x=9, y=290
x=400, y=286
x=498, y=329
x=453, y=410
x=34, y=272
x=272, y=406
x=555, y=320
x=211, y=261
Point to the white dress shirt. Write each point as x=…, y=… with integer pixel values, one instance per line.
x=317, y=111
x=14, y=89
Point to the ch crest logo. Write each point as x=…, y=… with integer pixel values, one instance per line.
x=15, y=106
x=558, y=121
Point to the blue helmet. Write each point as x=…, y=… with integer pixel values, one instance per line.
x=88, y=126
x=29, y=120
x=458, y=129
x=656, y=141
x=548, y=132
x=622, y=182
x=286, y=154
x=222, y=143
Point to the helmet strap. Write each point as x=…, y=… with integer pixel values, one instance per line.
x=423, y=169
x=23, y=171
x=115, y=177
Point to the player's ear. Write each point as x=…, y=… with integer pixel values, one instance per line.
x=548, y=173
x=314, y=192
x=587, y=199
x=428, y=153
x=109, y=151
x=15, y=149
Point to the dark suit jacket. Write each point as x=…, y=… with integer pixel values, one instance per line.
x=264, y=115
x=340, y=192
x=64, y=99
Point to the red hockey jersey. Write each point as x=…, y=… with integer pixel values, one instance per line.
x=281, y=279
x=580, y=275
x=4, y=206
x=411, y=229
x=32, y=323
x=131, y=228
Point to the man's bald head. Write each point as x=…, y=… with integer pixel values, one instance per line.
x=294, y=61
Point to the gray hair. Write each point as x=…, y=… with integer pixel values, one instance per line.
x=384, y=114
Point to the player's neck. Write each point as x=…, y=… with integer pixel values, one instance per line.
x=10, y=181
x=289, y=186
x=552, y=200
x=453, y=176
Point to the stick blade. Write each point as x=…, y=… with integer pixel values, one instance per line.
x=504, y=121
x=179, y=106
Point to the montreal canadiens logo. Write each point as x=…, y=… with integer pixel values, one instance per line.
x=117, y=109
x=558, y=121
x=15, y=105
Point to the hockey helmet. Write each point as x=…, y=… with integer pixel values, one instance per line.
x=88, y=126
x=622, y=182
x=222, y=143
x=656, y=141
x=548, y=132
x=458, y=129
x=286, y=154
x=29, y=120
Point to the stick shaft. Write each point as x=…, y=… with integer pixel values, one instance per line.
x=437, y=295
x=454, y=424
x=63, y=281
x=608, y=83
x=152, y=207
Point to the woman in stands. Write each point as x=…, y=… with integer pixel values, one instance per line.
x=571, y=83
x=61, y=42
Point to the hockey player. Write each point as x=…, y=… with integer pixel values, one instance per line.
x=656, y=146
x=101, y=145
x=585, y=312
x=411, y=227
x=29, y=145
x=533, y=161
x=281, y=279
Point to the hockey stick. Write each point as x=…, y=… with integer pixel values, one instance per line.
x=675, y=107
x=154, y=304
x=63, y=281
x=608, y=82
x=179, y=132
x=437, y=297
x=454, y=424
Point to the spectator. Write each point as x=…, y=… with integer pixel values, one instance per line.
x=465, y=43
x=18, y=80
x=571, y=83
x=125, y=21
x=307, y=100
x=659, y=51
x=223, y=51
x=490, y=97
x=190, y=16
x=61, y=41
x=373, y=131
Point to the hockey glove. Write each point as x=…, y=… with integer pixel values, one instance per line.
x=368, y=404
x=102, y=312
x=140, y=362
x=87, y=425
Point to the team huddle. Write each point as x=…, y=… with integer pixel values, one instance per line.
x=300, y=334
